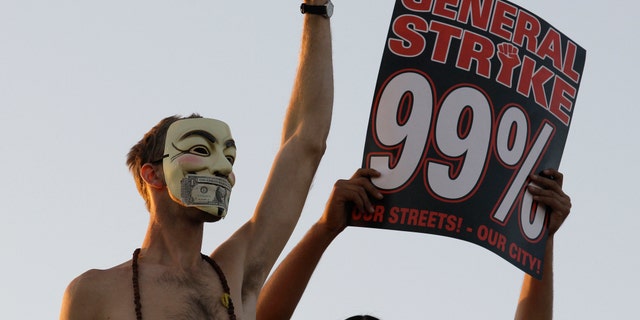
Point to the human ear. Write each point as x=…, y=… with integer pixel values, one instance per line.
x=152, y=175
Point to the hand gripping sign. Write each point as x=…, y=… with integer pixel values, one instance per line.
x=472, y=96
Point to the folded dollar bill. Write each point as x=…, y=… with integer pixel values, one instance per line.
x=198, y=190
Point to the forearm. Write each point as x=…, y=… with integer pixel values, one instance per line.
x=536, y=296
x=310, y=107
x=283, y=290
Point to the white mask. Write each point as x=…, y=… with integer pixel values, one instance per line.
x=197, y=163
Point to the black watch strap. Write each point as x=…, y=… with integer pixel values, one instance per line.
x=324, y=10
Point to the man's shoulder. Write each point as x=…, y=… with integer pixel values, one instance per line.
x=96, y=292
x=96, y=281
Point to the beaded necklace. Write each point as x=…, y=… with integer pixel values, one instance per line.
x=226, y=297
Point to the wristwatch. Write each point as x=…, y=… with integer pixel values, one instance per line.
x=325, y=10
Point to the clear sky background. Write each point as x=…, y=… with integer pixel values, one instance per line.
x=82, y=80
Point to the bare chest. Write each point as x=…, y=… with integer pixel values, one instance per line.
x=183, y=297
x=166, y=295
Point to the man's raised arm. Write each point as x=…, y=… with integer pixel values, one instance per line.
x=260, y=241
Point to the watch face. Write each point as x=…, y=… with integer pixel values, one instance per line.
x=329, y=9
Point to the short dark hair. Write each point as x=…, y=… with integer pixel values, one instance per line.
x=362, y=317
x=149, y=150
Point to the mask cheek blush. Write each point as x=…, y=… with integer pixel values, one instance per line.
x=190, y=163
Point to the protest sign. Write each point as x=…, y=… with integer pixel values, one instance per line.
x=472, y=97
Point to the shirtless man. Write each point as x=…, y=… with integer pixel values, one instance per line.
x=285, y=287
x=183, y=170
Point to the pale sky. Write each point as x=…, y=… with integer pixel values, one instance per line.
x=82, y=80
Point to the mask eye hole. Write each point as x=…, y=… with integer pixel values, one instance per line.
x=199, y=150
x=231, y=159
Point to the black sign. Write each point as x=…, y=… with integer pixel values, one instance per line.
x=472, y=97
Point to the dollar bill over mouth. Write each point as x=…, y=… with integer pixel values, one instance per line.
x=200, y=190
